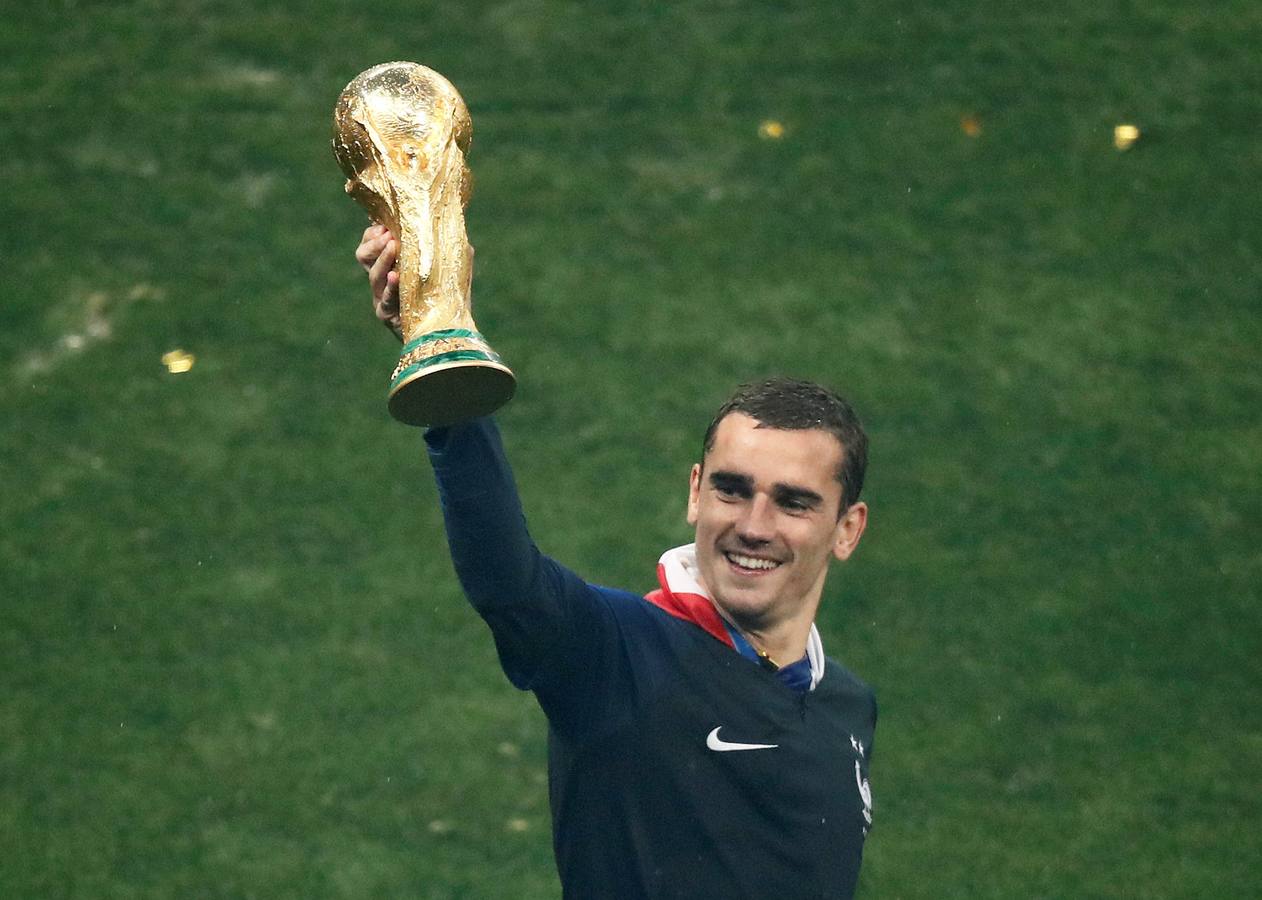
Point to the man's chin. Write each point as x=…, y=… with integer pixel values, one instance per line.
x=743, y=604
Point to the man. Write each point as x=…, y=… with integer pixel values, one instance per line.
x=700, y=743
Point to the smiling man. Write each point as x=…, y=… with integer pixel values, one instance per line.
x=771, y=506
x=700, y=743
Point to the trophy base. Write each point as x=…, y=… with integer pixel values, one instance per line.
x=446, y=377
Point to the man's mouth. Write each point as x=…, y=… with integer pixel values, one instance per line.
x=751, y=563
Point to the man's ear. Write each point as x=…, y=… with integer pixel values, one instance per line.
x=850, y=529
x=694, y=493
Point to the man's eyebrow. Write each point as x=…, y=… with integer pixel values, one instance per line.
x=731, y=481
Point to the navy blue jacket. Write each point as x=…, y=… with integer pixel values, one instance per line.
x=648, y=799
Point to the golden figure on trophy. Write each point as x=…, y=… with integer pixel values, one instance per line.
x=401, y=132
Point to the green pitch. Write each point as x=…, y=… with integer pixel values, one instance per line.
x=234, y=661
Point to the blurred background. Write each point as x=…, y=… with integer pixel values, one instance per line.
x=234, y=660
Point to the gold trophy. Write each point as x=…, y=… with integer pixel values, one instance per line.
x=401, y=132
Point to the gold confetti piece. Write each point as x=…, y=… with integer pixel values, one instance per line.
x=438, y=826
x=1125, y=136
x=971, y=126
x=177, y=361
x=770, y=130
x=517, y=825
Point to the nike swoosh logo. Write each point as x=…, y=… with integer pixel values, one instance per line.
x=714, y=742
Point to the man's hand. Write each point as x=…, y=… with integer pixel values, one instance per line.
x=377, y=252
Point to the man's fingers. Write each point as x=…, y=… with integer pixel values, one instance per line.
x=369, y=249
x=387, y=307
x=390, y=295
x=386, y=304
x=371, y=245
x=377, y=253
x=379, y=271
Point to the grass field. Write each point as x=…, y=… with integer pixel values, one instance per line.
x=234, y=661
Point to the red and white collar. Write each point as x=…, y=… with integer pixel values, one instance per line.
x=682, y=595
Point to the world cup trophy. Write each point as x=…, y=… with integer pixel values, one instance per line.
x=401, y=132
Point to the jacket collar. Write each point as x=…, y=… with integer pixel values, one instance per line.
x=683, y=596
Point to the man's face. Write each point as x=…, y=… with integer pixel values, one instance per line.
x=765, y=505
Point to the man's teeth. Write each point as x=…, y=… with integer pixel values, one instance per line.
x=752, y=562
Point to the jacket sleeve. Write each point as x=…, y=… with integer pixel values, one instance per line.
x=546, y=621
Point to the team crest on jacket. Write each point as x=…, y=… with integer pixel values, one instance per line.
x=865, y=789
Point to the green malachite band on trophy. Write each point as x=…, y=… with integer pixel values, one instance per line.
x=453, y=356
x=438, y=336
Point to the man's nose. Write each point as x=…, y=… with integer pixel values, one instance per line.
x=757, y=524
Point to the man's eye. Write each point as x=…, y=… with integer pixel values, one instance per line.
x=728, y=490
x=796, y=505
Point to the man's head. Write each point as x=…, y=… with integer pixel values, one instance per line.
x=774, y=499
x=800, y=405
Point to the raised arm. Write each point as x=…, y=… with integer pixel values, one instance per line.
x=522, y=595
x=539, y=612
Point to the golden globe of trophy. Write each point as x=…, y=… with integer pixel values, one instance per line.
x=401, y=132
